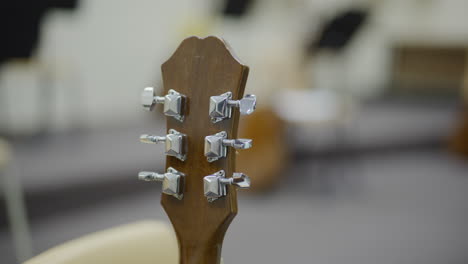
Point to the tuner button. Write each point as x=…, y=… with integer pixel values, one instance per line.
x=215, y=185
x=173, y=102
x=172, y=181
x=216, y=145
x=240, y=180
x=247, y=104
x=221, y=106
x=175, y=143
x=241, y=143
x=151, y=139
x=148, y=98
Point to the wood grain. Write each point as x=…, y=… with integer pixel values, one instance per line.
x=201, y=68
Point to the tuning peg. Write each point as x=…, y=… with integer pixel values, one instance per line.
x=215, y=185
x=174, y=141
x=172, y=181
x=221, y=106
x=240, y=180
x=173, y=102
x=216, y=145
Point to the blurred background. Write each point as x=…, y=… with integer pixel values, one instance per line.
x=361, y=127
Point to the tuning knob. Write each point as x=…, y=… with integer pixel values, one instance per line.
x=172, y=181
x=173, y=102
x=240, y=180
x=215, y=185
x=216, y=145
x=221, y=106
x=175, y=143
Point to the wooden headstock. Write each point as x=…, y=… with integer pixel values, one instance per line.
x=198, y=69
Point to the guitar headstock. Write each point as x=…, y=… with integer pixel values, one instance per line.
x=203, y=87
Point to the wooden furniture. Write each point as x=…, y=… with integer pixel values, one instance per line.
x=267, y=130
x=424, y=69
x=458, y=142
x=459, y=139
x=435, y=70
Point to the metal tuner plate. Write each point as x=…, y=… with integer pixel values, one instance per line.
x=172, y=181
x=175, y=142
x=216, y=145
x=215, y=185
x=221, y=106
x=173, y=102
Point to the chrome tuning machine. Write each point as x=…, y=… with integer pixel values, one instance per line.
x=173, y=102
x=172, y=181
x=221, y=106
x=216, y=145
x=175, y=143
x=215, y=185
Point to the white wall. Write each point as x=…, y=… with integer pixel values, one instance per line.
x=102, y=55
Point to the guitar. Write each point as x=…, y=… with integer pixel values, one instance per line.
x=203, y=98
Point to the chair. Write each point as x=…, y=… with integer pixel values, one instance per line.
x=15, y=205
x=146, y=242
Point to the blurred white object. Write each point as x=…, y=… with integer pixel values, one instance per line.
x=142, y=242
x=145, y=242
x=312, y=106
x=320, y=117
x=39, y=96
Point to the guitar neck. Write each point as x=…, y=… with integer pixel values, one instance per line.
x=194, y=252
x=210, y=82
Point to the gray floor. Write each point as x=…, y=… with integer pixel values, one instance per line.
x=387, y=199
x=392, y=207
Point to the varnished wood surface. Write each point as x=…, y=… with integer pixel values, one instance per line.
x=266, y=130
x=201, y=68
